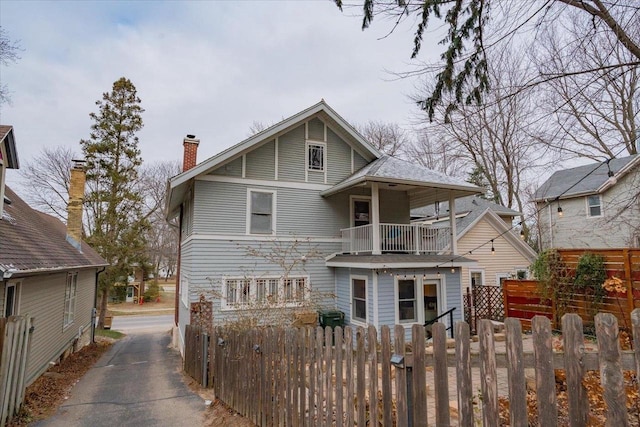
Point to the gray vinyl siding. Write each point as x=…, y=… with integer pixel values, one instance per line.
x=187, y=216
x=358, y=161
x=394, y=207
x=315, y=129
x=338, y=158
x=221, y=208
x=186, y=263
x=42, y=298
x=343, y=292
x=315, y=177
x=233, y=168
x=614, y=229
x=210, y=260
x=261, y=162
x=291, y=155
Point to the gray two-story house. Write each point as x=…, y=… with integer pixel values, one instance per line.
x=591, y=206
x=307, y=214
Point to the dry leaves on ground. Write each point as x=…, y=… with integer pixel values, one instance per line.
x=47, y=393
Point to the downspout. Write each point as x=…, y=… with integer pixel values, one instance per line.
x=95, y=307
x=550, y=229
x=176, y=311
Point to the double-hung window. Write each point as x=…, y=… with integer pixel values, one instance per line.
x=407, y=301
x=70, y=298
x=594, y=205
x=359, y=299
x=261, y=212
x=477, y=278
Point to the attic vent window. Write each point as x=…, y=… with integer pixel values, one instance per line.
x=316, y=157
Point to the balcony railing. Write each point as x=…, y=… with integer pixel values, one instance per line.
x=403, y=238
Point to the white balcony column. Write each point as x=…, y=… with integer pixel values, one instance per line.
x=375, y=218
x=452, y=220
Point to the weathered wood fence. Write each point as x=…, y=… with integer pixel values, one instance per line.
x=196, y=354
x=14, y=333
x=316, y=377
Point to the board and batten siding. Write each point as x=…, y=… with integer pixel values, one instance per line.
x=232, y=168
x=505, y=260
x=42, y=298
x=260, y=163
x=315, y=129
x=210, y=260
x=291, y=155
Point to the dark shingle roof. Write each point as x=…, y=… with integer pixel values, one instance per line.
x=580, y=180
x=32, y=240
x=472, y=205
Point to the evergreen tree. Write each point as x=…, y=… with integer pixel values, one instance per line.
x=114, y=203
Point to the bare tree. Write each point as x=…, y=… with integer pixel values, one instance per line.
x=597, y=112
x=433, y=153
x=47, y=177
x=478, y=29
x=8, y=53
x=389, y=138
x=497, y=142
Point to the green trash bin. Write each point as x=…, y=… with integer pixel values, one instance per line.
x=331, y=318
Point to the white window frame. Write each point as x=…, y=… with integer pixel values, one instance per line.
x=516, y=270
x=477, y=270
x=599, y=196
x=419, y=313
x=274, y=205
x=281, y=299
x=308, y=145
x=184, y=290
x=15, y=310
x=352, y=200
x=505, y=276
x=70, y=297
x=353, y=318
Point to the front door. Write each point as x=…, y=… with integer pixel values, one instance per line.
x=430, y=292
x=361, y=212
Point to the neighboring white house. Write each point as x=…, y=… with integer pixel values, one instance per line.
x=591, y=206
x=308, y=207
x=481, y=226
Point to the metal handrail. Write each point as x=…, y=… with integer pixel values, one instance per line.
x=450, y=313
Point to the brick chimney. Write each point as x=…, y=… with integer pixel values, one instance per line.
x=190, y=145
x=74, y=208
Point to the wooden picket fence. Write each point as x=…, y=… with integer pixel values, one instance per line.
x=14, y=340
x=347, y=377
x=196, y=348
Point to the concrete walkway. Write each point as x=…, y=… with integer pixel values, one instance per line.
x=138, y=382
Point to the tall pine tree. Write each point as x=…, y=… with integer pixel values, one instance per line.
x=116, y=221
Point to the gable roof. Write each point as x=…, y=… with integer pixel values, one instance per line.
x=393, y=170
x=473, y=206
x=177, y=185
x=33, y=242
x=8, y=140
x=583, y=180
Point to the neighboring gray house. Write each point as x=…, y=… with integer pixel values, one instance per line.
x=591, y=206
x=309, y=209
x=46, y=271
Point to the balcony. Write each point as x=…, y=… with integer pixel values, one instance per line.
x=399, y=238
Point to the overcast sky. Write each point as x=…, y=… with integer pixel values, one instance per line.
x=210, y=68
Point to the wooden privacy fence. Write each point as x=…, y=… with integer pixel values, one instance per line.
x=14, y=333
x=522, y=298
x=316, y=377
x=196, y=354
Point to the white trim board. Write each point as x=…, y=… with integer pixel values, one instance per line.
x=265, y=183
x=261, y=238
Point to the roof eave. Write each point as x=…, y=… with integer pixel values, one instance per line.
x=10, y=148
x=372, y=178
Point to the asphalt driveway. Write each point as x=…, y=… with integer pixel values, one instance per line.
x=136, y=383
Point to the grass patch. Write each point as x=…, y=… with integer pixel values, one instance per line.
x=109, y=333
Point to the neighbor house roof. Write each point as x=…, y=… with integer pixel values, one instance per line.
x=582, y=180
x=33, y=242
x=7, y=139
x=178, y=184
x=473, y=207
x=393, y=170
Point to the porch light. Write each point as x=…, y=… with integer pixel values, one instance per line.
x=493, y=250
